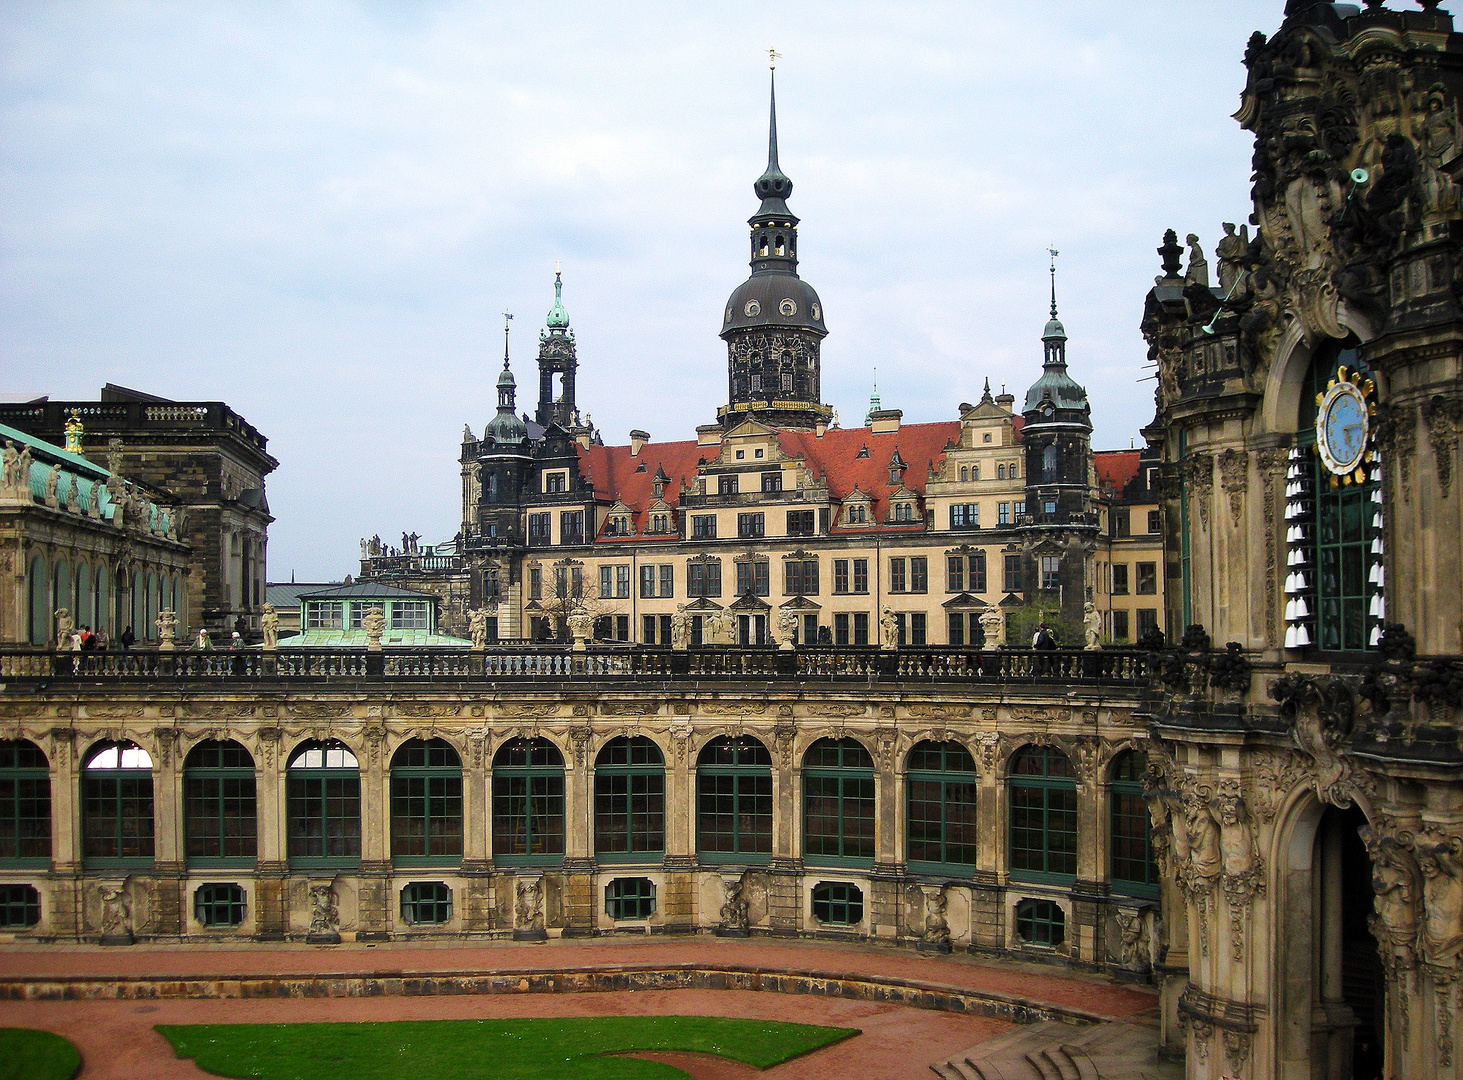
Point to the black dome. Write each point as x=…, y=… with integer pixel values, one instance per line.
x=776, y=300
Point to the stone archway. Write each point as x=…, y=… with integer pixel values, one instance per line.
x=1329, y=1008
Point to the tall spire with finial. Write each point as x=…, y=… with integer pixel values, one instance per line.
x=1055, y=334
x=773, y=186
x=558, y=318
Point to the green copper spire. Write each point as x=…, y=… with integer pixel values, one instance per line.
x=558, y=318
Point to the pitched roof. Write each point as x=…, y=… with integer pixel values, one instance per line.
x=833, y=456
x=1115, y=468
x=363, y=590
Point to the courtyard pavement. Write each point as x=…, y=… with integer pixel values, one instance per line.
x=898, y=1041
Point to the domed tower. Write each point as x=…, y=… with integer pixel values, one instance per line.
x=505, y=462
x=1060, y=526
x=557, y=357
x=773, y=325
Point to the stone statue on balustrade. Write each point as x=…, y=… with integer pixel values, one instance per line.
x=1092, y=625
x=65, y=624
x=269, y=625
x=993, y=627
x=167, y=630
x=888, y=629
x=787, y=628
x=374, y=624
x=477, y=628
x=680, y=629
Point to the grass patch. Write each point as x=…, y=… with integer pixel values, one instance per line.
x=27, y=1054
x=531, y=1049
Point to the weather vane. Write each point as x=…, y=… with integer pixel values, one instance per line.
x=772, y=57
x=1053, y=252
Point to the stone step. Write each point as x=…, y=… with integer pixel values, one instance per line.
x=1057, y=1051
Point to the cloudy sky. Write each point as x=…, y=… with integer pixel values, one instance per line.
x=316, y=211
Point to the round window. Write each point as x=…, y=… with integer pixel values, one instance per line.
x=788, y=307
x=753, y=309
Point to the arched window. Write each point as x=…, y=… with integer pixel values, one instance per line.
x=528, y=802
x=838, y=803
x=39, y=592
x=941, y=809
x=734, y=801
x=629, y=801
x=1012, y=471
x=116, y=794
x=25, y=805
x=85, y=606
x=1049, y=464
x=139, y=607
x=964, y=473
x=1000, y=472
x=61, y=586
x=426, y=803
x=324, y=805
x=1043, y=800
x=1041, y=922
x=1130, y=861
x=103, y=601
x=975, y=472
x=219, y=813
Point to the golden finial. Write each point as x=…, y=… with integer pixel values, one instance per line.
x=73, y=433
x=772, y=57
x=557, y=271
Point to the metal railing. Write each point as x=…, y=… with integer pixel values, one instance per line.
x=1113, y=667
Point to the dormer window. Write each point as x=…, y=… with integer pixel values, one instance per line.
x=857, y=514
x=757, y=453
x=556, y=482
x=863, y=452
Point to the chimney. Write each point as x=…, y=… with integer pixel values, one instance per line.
x=708, y=435
x=885, y=421
x=638, y=439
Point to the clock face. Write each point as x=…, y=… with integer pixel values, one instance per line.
x=1341, y=428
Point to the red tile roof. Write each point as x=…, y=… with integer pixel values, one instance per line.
x=1116, y=468
x=835, y=456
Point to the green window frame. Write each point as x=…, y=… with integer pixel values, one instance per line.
x=940, y=823
x=1042, y=798
x=734, y=801
x=20, y=907
x=838, y=903
x=426, y=903
x=25, y=805
x=1042, y=923
x=528, y=803
x=323, y=798
x=1343, y=529
x=838, y=803
x=117, y=812
x=219, y=905
x=629, y=801
x=426, y=804
x=220, y=812
x=1131, y=868
x=630, y=898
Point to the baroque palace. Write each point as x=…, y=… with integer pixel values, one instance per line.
x=777, y=680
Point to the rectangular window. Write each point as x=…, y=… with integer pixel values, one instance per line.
x=977, y=572
x=535, y=583
x=1147, y=579
x=703, y=578
x=955, y=622
x=1011, y=574
x=1051, y=571
x=917, y=628
x=323, y=614
x=667, y=580
x=861, y=575
x=954, y=573
x=1120, y=626
x=727, y=485
x=752, y=577
x=1155, y=521
x=1018, y=508
x=840, y=628
x=860, y=627
x=606, y=582
x=800, y=577
x=751, y=526
x=965, y=516
x=1003, y=513
x=408, y=614
x=1147, y=620
x=919, y=574
x=1121, y=523
x=647, y=582
x=622, y=628
x=556, y=482
x=648, y=625
x=622, y=582
x=772, y=481
x=1120, y=579
x=538, y=530
x=571, y=527
x=703, y=527
x=800, y=523
x=840, y=575
x=896, y=575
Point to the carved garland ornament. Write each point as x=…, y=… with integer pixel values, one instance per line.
x=1234, y=468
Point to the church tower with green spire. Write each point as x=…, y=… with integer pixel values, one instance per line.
x=773, y=325
x=557, y=363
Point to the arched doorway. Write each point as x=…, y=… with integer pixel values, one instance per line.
x=1331, y=1014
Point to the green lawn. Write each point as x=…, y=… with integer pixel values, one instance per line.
x=26, y=1054
x=536, y=1049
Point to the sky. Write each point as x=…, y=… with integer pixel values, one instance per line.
x=317, y=211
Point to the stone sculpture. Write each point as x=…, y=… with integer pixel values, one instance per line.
x=10, y=467
x=888, y=629
x=1441, y=862
x=1230, y=253
x=736, y=909
x=64, y=627
x=167, y=627
x=374, y=624
x=787, y=628
x=1198, y=271
x=1092, y=625
x=528, y=909
x=269, y=625
x=680, y=628
x=324, y=915
x=993, y=628
x=477, y=628
x=116, y=913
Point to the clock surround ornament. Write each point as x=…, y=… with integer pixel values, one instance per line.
x=1343, y=426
